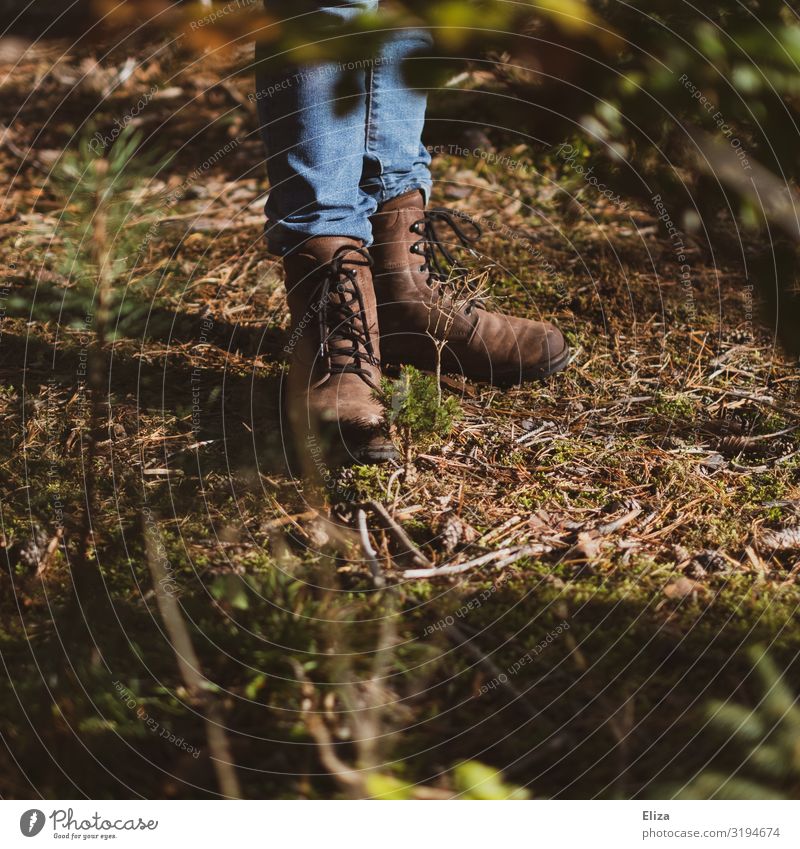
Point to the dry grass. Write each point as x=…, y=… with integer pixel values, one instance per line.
x=638, y=496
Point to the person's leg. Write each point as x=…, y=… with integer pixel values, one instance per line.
x=332, y=161
x=319, y=223
x=315, y=143
x=395, y=160
x=425, y=318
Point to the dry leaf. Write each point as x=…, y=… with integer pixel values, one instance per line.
x=785, y=539
x=680, y=589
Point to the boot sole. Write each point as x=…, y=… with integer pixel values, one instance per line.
x=374, y=455
x=369, y=451
x=496, y=378
x=555, y=365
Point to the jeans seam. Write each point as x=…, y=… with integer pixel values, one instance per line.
x=369, y=138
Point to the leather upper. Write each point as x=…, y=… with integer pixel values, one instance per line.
x=413, y=303
x=335, y=364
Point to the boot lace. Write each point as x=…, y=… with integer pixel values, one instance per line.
x=439, y=260
x=345, y=341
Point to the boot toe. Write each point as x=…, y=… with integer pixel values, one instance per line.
x=350, y=443
x=356, y=434
x=553, y=350
x=539, y=350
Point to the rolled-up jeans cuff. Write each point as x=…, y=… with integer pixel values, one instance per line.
x=402, y=188
x=282, y=240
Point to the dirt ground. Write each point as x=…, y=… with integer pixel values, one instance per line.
x=634, y=519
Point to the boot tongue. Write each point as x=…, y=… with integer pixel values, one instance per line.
x=410, y=200
x=323, y=248
x=305, y=262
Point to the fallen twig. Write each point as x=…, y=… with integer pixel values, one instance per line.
x=409, y=549
x=503, y=556
x=189, y=666
x=513, y=522
x=47, y=557
x=276, y=524
x=610, y=527
x=352, y=780
x=366, y=545
x=784, y=539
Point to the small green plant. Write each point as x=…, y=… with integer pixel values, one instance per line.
x=104, y=229
x=475, y=780
x=416, y=410
x=107, y=223
x=763, y=738
x=470, y=780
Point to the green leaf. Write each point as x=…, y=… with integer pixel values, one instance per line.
x=478, y=781
x=382, y=786
x=232, y=590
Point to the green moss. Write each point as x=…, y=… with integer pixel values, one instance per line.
x=757, y=489
x=674, y=406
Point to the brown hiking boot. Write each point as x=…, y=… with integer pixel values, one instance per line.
x=417, y=301
x=335, y=357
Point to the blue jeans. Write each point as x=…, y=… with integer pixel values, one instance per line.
x=332, y=159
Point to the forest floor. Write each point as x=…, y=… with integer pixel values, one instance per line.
x=635, y=516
